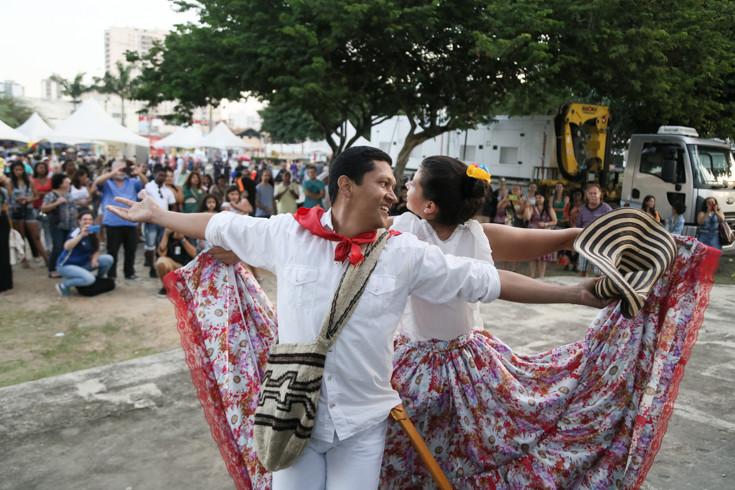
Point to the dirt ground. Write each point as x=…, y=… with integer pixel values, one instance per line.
x=45, y=334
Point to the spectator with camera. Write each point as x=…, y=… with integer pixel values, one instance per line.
x=123, y=180
x=81, y=256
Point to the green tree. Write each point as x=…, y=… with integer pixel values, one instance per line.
x=73, y=88
x=443, y=65
x=452, y=65
x=123, y=84
x=287, y=124
x=448, y=65
x=14, y=112
x=232, y=55
x=653, y=63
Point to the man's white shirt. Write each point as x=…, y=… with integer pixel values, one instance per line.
x=162, y=195
x=356, y=391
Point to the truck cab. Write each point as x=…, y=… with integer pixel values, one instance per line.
x=675, y=164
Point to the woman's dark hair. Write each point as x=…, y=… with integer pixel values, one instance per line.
x=26, y=180
x=187, y=182
x=679, y=207
x=354, y=162
x=548, y=208
x=57, y=180
x=76, y=180
x=93, y=240
x=444, y=180
x=207, y=177
x=35, y=169
x=203, y=204
x=645, y=207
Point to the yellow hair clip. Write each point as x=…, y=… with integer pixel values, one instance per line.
x=478, y=172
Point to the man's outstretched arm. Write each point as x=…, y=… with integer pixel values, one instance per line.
x=147, y=211
x=521, y=289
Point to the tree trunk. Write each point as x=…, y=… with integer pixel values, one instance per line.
x=412, y=141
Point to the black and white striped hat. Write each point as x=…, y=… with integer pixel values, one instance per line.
x=632, y=250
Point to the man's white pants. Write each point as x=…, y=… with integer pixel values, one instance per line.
x=352, y=464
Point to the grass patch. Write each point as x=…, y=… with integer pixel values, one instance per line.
x=32, y=348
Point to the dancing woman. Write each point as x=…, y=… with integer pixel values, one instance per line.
x=579, y=416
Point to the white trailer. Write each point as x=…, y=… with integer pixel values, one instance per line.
x=510, y=147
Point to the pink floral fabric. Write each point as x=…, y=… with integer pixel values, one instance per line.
x=590, y=414
x=227, y=326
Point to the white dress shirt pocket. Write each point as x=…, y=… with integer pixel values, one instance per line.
x=302, y=285
x=379, y=291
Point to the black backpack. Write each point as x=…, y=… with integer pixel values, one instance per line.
x=100, y=285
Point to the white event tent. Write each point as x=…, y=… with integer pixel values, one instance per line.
x=183, y=137
x=35, y=128
x=8, y=133
x=221, y=138
x=89, y=124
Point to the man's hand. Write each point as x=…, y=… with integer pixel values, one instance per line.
x=587, y=294
x=138, y=212
x=227, y=256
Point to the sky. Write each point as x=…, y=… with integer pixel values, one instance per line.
x=41, y=37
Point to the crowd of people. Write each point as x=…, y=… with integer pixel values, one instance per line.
x=560, y=209
x=46, y=197
x=58, y=204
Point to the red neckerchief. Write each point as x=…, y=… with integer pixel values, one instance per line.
x=310, y=218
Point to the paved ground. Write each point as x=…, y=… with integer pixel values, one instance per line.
x=138, y=424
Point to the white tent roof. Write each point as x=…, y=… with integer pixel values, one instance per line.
x=91, y=123
x=221, y=138
x=8, y=133
x=34, y=128
x=181, y=138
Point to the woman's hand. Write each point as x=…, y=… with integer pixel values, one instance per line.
x=227, y=256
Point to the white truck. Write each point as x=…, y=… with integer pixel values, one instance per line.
x=676, y=165
x=510, y=147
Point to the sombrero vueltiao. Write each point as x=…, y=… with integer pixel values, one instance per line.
x=632, y=250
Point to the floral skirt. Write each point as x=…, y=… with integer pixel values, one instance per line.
x=590, y=414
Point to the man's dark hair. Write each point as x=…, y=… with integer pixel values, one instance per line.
x=354, y=162
x=57, y=180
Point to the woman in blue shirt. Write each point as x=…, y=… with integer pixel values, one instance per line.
x=81, y=256
x=675, y=222
x=709, y=218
